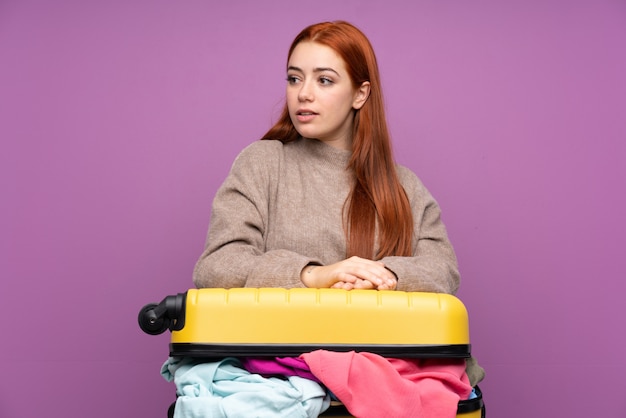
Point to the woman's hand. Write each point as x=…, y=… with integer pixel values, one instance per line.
x=352, y=273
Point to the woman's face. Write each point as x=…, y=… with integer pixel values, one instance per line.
x=320, y=96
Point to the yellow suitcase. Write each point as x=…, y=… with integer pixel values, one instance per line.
x=214, y=323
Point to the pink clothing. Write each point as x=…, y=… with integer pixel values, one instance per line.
x=373, y=386
x=278, y=366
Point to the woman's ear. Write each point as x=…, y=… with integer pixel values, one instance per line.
x=361, y=95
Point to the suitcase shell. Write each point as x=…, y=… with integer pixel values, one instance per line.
x=214, y=323
x=276, y=321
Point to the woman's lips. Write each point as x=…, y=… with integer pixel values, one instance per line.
x=305, y=115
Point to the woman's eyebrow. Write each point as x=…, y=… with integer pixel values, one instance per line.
x=315, y=70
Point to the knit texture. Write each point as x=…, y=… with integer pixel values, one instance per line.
x=281, y=208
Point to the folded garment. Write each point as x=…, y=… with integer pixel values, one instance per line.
x=224, y=389
x=371, y=386
x=278, y=366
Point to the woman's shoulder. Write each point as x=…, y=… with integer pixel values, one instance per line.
x=271, y=152
x=412, y=184
x=261, y=149
x=408, y=178
x=259, y=154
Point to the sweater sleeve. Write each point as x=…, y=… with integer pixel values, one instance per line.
x=235, y=254
x=433, y=266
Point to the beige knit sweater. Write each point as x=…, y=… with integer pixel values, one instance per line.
x=280, y=208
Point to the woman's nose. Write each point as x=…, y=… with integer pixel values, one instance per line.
x=306, y=92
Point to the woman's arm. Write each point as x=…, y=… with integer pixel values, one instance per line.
x=433, y=266
x=235, y=253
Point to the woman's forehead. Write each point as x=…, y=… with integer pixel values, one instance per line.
x=311, y=56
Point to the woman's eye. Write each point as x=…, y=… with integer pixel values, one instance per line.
x=325, y=81
x=292, y=79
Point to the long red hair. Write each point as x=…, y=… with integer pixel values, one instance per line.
x=377, y=199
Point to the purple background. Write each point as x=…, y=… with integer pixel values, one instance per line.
x=119, y=120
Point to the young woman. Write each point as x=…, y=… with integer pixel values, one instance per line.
x=320, y=202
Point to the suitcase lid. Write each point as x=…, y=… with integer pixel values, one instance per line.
x=289, y=322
